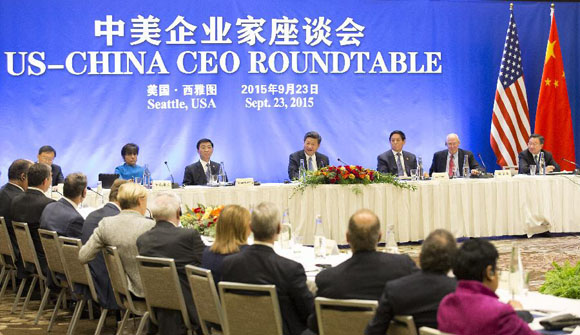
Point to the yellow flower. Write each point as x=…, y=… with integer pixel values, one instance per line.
x=206, y=215
x=351, y=176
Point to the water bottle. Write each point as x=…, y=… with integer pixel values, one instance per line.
x=542, y=164
x=391, y=245
x=319, y=238
x=301, y=171
x=285, y=231
x=466, y=171
x=516, y=274
x=420, y=168
x=146, y=176
x=222, y=176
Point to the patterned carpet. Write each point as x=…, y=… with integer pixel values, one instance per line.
x=537, y=256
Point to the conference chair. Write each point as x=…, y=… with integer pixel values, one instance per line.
x=262, y=318
x=402, y=325
x=57, y=272
x=206, y=300
x=120, y=286
x=29, y=257
x=162, y=288
x=79, y=279
x=343, y=317
x=431, y=331
x=7, y=259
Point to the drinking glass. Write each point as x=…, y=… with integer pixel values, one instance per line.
x=532, y=170
x=414, y=175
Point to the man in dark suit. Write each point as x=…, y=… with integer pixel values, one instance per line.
x=63, y=216
x=17, y=184
x=531, y=156
x=28, y=206
x=420, y=293
x=364, y=275
x=46, y=155
x=97, y=266
x=452, y=158
x=198, y=172
x=312, y=159
x=396, y=161
x=259, y=264
x=168, y=240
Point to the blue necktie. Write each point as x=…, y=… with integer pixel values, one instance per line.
x=400, y=171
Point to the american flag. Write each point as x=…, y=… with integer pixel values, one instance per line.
x=510, y=123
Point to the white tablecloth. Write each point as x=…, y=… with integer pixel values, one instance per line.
x=466, y=207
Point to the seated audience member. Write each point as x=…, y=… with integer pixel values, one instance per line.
x=474, y=308
x=16, y=185
x=420, y=293
x=97, y=266
x=259, y=264
x=130, y=170
x=62, y=216
x=313, y=160
x=364, y=275
x=396, y=161
x=46, y=155
x=198, y=173
x=452, y=158
x=531, y=156
x=231, y=235
x=122, y=231
x=28, y=206
x=185, y=246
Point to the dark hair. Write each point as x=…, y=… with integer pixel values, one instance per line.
x=74, y=185
x=474, y=256
x=438, y=252
x=18, y=168
x=400, y=132
x=37, y=173
x=538, y=136
x=204, y=140
x=46, y=148
x=363, y=237
x=130, y=148
x=115, y=188
x=314, y=135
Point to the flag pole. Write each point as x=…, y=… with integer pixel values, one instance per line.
x=552, y=10
x=511, y=6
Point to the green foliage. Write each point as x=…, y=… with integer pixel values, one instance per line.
x=563, y=281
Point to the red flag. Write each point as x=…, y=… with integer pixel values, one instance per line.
x=554, y=117
x=510, y=121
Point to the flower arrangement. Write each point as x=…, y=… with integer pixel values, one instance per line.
x=348, y=175
x=202, y=218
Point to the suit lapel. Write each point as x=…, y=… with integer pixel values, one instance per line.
x=392, y=162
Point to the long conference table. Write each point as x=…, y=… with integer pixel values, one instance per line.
x=466, y=207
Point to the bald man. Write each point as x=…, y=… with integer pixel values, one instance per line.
x=364, y=275
x=452, y=157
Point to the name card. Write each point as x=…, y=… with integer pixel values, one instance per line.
x=440, y=176
x=161, y=185
x=502, y=174
x=244, y=182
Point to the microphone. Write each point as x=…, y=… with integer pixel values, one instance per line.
x=173, y=184
x=90, y=189
x=565, y=160
x=482, y=162
x=341, y=161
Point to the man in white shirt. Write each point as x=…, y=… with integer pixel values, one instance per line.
x=451, y=159
x=199, y=172
x=313, y=160
x=531, y=156
x=396, y=161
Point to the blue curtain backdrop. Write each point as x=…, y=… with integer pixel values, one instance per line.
x=88, y=118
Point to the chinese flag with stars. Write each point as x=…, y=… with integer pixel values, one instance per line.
x=553, y=117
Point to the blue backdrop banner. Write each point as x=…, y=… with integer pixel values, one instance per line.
x=254, y=76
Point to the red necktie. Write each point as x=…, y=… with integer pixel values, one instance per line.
x=451, y=165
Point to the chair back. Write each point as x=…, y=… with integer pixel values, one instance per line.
x=205, y=297
x=52, y=252
x=431, y=331
x=26, y=246
x=161, y=286
x=77, y=273
x=337, y=317
x=263, y=317
x=119, y=281
x=6, y=250
x=402, y=325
